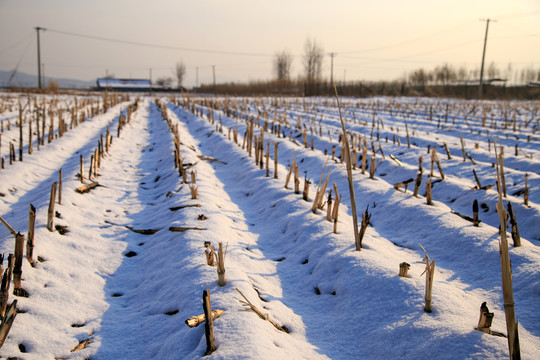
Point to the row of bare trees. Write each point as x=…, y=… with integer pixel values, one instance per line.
x=312, y=60
x=446, y=74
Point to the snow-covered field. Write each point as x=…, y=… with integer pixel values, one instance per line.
x=122, y=293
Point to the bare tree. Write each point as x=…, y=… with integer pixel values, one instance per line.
x=282, y=65
x=492, y=71
x=508, y=73
x=420, y=78
x=313, y=58
x=165, y=82
x=461, y=73
x=180, y=72
x=529, y=74
x=444, y=74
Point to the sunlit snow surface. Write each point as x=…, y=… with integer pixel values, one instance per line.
x=336, y=302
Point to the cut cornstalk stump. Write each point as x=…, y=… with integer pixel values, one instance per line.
x=429, y=200
x=208, y=324
x=364, y=159
x=501, y=172
x=336, y=212
x=404, y=184
x=10, y=229
x=81, y=163
x=526, y=192
x=485, y=320
x=329, y=207
x=437, y=161
x=395, y=159
x=30, y=239
x=17, y=269
x=372, y=168
x=305, y=192
x=404, y=269
x=87, y=187
x=247, y=303
x=4, y=289
x=346, y=148
x=291, y=170
x=319, y=196
x=7, y=322
x=209, y=252
x=475, y=213
x=296, y=180
x=195, y=321
x=91, y=168
x=418, y=181
x=513, y=222
x=276, y=160
x=429, y=271
x=267, y=158
x=366, y=216
x=447, y=151
x=60, y=187
x=193, y=189
x=470, y=158
x=506, y=271
x=478, y=184
x=50, y=212
x=463, y=148
x=182, y=229
x=220, y=263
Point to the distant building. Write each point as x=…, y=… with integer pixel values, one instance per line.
x=124, y=84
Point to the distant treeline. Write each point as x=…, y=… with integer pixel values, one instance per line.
x=491, y=90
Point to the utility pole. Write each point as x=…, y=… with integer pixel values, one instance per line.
x=332, y=67
x=39, y=55
x=214, y=75
x=150, y=78
x=483, y=58
x=197, y=77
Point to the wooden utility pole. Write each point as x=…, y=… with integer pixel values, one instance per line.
x=480, y=90
x=39, y=55
x=214, y=76
x=332, y=54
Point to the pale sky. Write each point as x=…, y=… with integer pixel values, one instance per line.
x=372, y=39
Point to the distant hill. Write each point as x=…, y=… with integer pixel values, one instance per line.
x=26, y=80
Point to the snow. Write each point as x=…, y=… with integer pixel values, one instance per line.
x=337, y=303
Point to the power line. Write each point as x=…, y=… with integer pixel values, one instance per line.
x=508, y=16
x=19, y=62
x=517, y=15
x=406, y=41
x=16, y=44
x=418, y=54
x=168, y=47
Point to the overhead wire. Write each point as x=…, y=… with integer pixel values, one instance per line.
x=20, y=60
x=138, y=43
x=16, y=44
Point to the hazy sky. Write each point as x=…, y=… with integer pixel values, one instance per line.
x=372, y=39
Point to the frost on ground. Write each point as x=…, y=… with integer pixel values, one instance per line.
x=119, y=284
